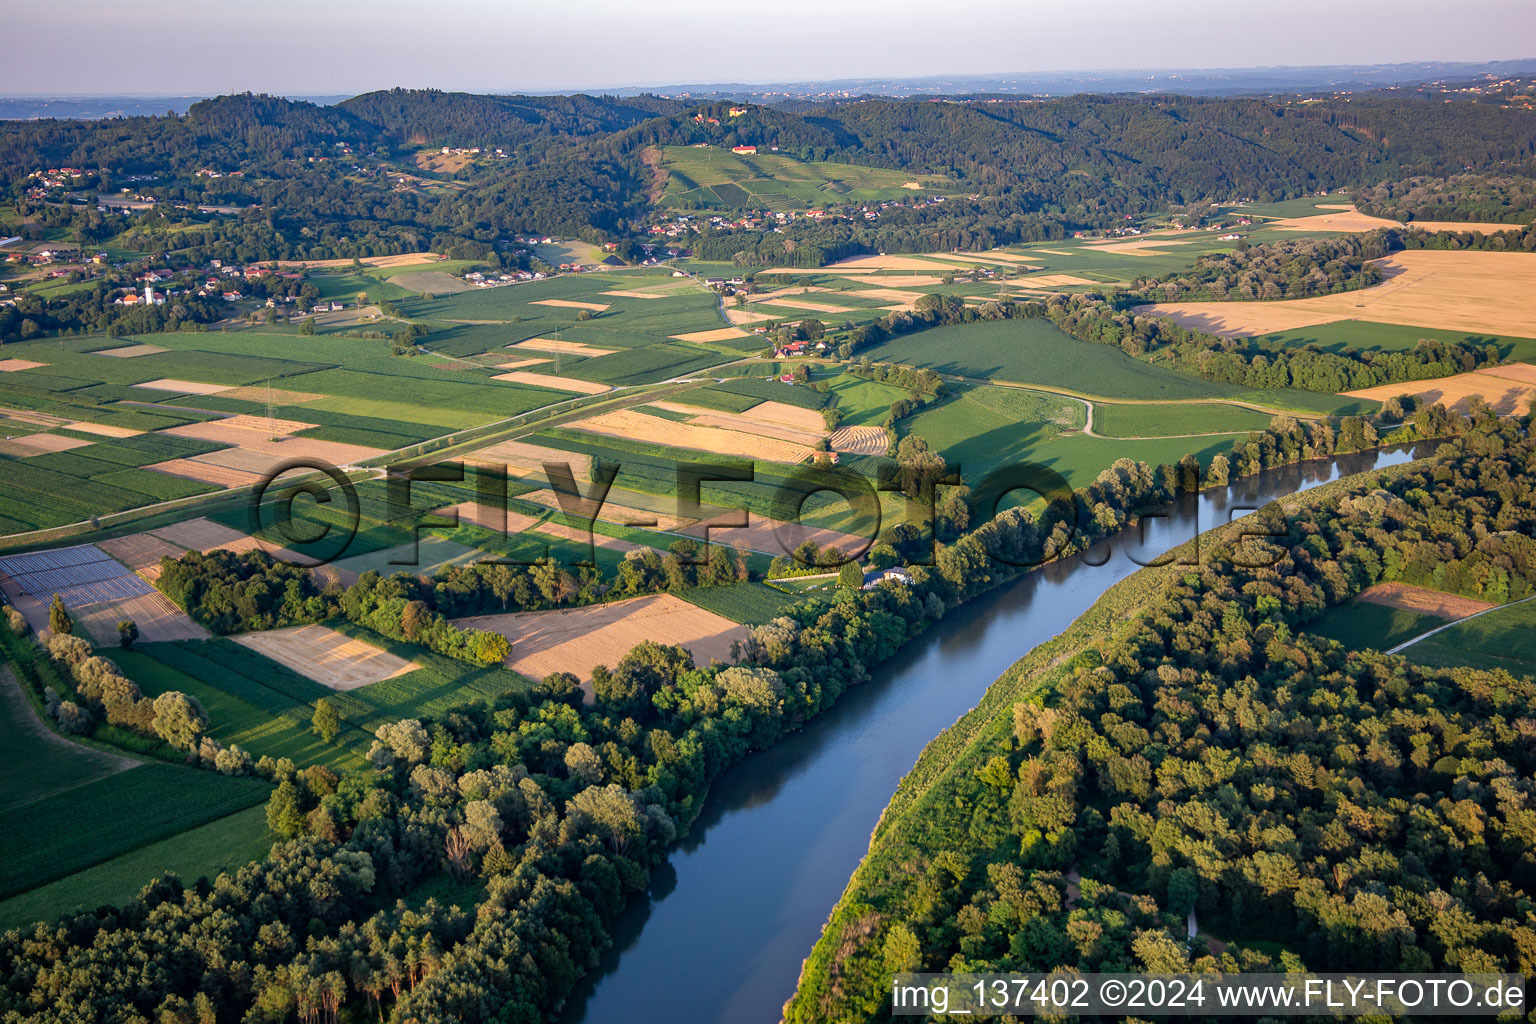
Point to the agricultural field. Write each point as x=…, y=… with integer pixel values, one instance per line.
x=260, y=729
x=714, y=178
x=1115, y=419
x=1477, y=292
x=1036, y=352
x=750, y=603
x=225, y=844
x=578, y=639
x=987, y=427
x=1388, y=614
x=1361, y=625
x=1504, y=639
x=47, y=839
x=1506, y=389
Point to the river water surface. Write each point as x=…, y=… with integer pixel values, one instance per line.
x=729, y=917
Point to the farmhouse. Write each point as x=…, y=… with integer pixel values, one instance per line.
x=875, y=577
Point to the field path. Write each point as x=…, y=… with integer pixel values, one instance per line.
x=15, y=706
x=1455, y=622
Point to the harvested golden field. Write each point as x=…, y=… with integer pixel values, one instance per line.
x=40, y=444
x=159, y=620
x=332, y=659
x=614, y=512
x=141, y=552
x=102, y=429
x=1138, y=247
x=1346, y=218
x=784, y=293
x=772, y=537
x=524, y=459
x=1053, y=281
x=637, y=426
x=518, y=364
x=971, y=259
x=549, y=380
x=404, y=259
x=635, y=293
x=718, y=334
x=578, y=639
x=1476, y=227
x=13, y=365
x=739, y=316
x=888, y=294
x=859, y=441
x=814, y=307
x=488, y=517
x=1478, y=292
x=1421, y=599
x=561, y=531
x=204, y=472
x=260, y=445
x=784, y=414
x=183, y=387
x=129, y=351
x=1506, y=389
x=574, y=348
x=889, y=263
x=760, y=428
x=596, y=307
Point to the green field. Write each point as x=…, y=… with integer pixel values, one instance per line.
x=985, y=428
x=1034, y=351
x=46, y=839
x=225, y=844
x=1504, y=639
x=260, y=730
x=863, y=403
x=1115, y=420
x=752, y=603
x=714, y=178
x=1360, y=624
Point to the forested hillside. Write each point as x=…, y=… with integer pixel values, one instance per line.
x=1314, y=808
x=321, y=182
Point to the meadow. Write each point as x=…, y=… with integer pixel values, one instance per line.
x=750, y=603
x=1360, y=625
x=1504, y=639
x=715, y=178
x=1034, y=351
x=47, y=839
x=1114, y=419
x=224, y=844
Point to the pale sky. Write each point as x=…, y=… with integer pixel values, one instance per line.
x=205, y=47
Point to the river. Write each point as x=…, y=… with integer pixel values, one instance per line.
x=729, y=917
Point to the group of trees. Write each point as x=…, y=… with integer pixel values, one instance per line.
x=1488, y=198
x=559, y=809
x=230, y=593
x=1318, y=809
x=1278, y=270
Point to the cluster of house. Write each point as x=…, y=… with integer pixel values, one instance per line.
x=481, y=280
x=791, y=349
x=498, y=152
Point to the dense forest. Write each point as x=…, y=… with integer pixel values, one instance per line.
x=1495, y=199
x=1316, y=809
x=551, y=811
x=319, y=182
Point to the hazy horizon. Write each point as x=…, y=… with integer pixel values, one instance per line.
x=176, y=47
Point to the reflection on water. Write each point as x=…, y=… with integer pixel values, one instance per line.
x=721, y=934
